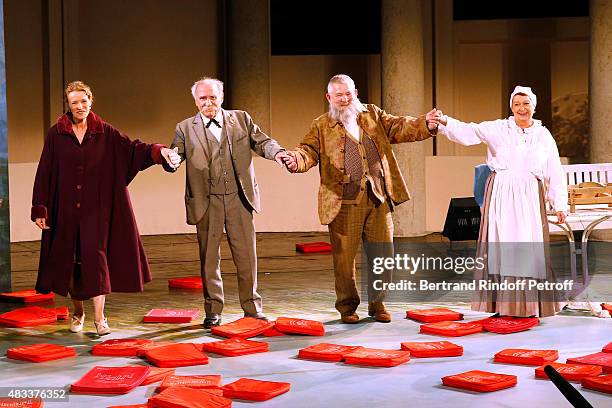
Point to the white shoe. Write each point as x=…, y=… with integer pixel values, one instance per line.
x=76, y=324
x=102, y=327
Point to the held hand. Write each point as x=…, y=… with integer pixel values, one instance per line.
x=434, y=118
x=561, y=217
x=172, y=157
x=42, y=224
x=291, y=162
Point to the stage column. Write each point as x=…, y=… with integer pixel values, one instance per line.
x=600, y=85
x=403, y=93
x=5, y=236
x=248, y=65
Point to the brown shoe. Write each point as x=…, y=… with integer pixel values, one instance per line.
x=382, y=316
x=349, y=318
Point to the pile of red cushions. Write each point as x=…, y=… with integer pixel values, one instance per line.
x=38, y=353
x=176, y=355
x=432, y=349
x=326, y=352
x=480, y=381
x=434, y=315
x=235, y=347
x=245, y=327
x=451, y=329
x=111, y=380
x=119, y=347
x=526, y=357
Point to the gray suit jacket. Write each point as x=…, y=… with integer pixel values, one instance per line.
x=243, y=136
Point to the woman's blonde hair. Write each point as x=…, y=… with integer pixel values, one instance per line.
x=78, y=86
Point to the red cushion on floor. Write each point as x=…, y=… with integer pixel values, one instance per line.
x=604, y=360
x=191, y=381
x=183, y=397
x=526, y=356
x=255, y=390
x=38, y=353
x=176, y=355
x=110, y=380
x=245, y=327
x=481, y=381
x=119, y=347
x=171, y=315
x=434, y=315
x=26, y=296
x=607, y=348
x=326, y=352
x=508, y=324
x=235, y=347
x=157, y=374
x=607, y=306
x=21, y=402
x=571, y=372
x=602, y=383
x=273, y=332
x=190, y=282
x=143, y=349
x=28, y=316
x=377, y=357
x=130, y=406
x=452, y=329
x=432, y=349
x=313, y=247
x=300, y=326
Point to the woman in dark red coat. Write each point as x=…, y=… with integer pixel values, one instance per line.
x=90, y=243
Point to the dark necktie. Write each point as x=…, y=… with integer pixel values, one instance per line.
x=213, y=120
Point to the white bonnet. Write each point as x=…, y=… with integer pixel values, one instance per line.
x=524, y=90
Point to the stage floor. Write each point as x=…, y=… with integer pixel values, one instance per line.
x=296, y=285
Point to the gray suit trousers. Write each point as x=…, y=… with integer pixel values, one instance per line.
x=228, y=210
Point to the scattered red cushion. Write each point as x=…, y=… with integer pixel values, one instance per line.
x=119, y=347
x=245, y=327
x=526, y=357
x=255, y=390
x=432, y=349
x=604, y=360
x=235, y=347
x=190, y=282
x=480, y=381
x=273, y=332
x=313, y=247
x=451, y=329
x=326, y=352
x=191, y=381
x=130, y=406
x=377, y=357
x=28, y=316
x=434, y=315
x=300, y=326
x=110, y=380
x=26, y=296
x=170, y=315
x=571, y=372
x=183, y=397
x=509, y=324
x=607, y=306
x=607, y=348
x=602, y=383
x=38, y=353
x=21, y=403
x=176, y=355
x=157, y=374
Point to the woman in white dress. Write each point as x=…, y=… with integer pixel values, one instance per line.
x=527, y=173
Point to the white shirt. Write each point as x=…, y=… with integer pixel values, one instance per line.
x=352, y=128
x=214, y=129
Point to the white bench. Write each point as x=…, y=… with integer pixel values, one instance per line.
x=586, y=218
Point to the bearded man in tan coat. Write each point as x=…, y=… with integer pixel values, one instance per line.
x=360, y=181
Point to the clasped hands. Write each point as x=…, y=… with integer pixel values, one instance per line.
x=172, y=157
x=434, y=118
x=287, y=159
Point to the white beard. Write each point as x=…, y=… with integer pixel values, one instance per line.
x=349, y=114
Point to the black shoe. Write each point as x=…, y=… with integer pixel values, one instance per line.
x=212, y=320
x=259, y=316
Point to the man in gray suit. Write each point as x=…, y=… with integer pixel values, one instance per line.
x=221, y=191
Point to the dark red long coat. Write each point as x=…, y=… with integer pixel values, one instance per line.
x=81, y=190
